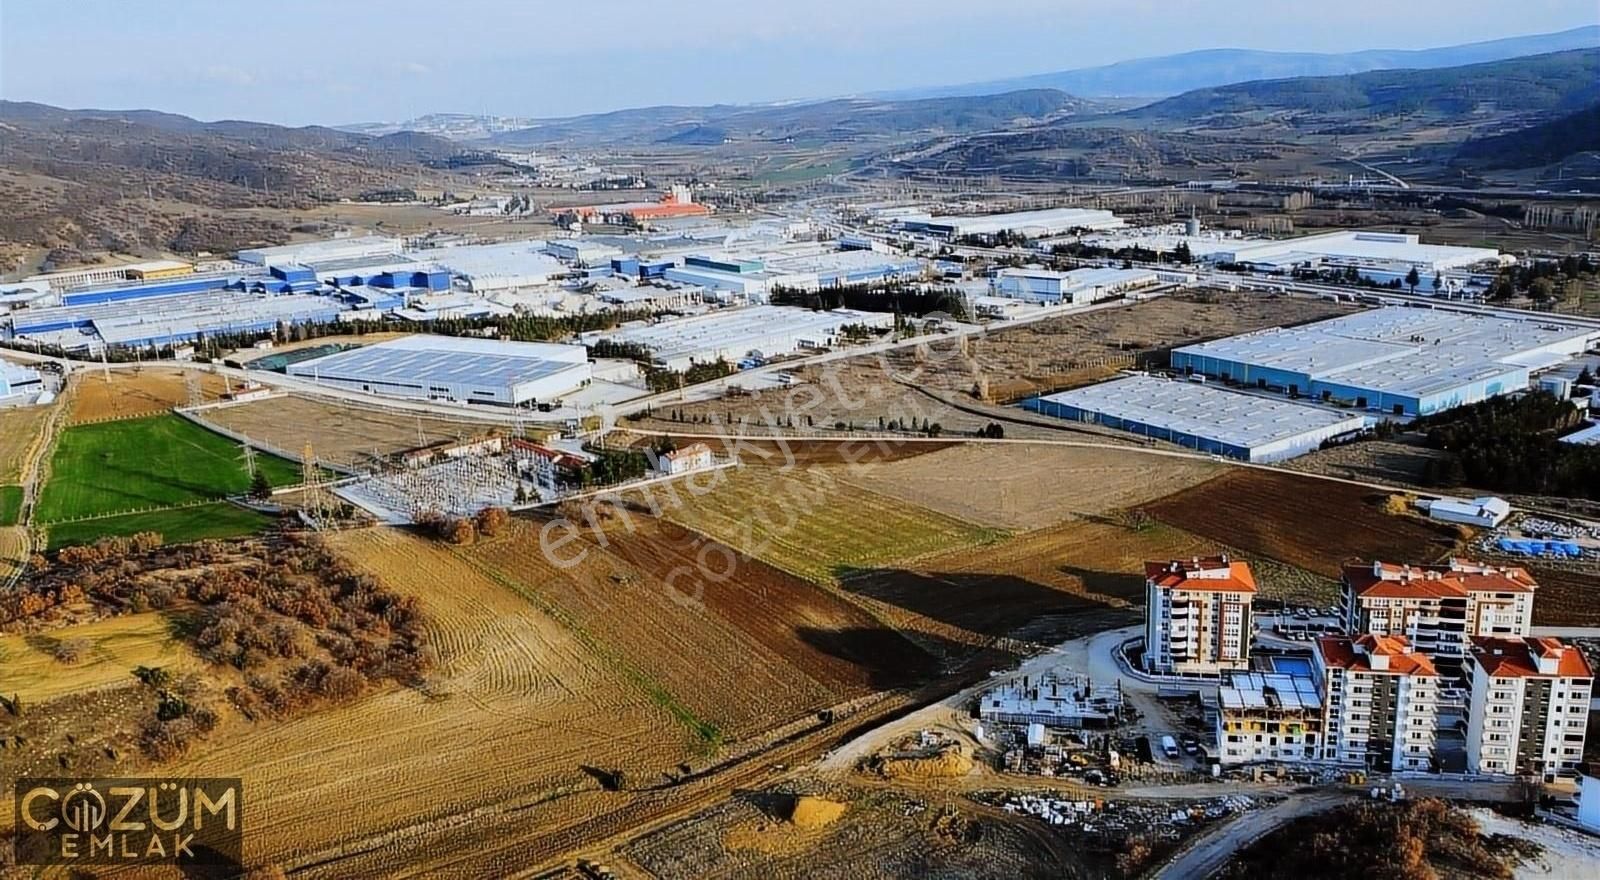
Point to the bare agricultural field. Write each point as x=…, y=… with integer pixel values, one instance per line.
x=1049, y=584
x=1019, y=486
x=1316, y=525
x=109, y=650
x=127, y=393
x=1046, y=354
x=810, y=523
x=513, y=713
x=1377, y=461
x=13, y=546
x=339, y=432
x=1567, y=596
x=19, y=427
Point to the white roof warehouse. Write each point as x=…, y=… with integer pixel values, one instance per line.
x=479, y=371
x=1201, y=417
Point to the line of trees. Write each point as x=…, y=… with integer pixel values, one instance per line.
x=1511, y=444
x=896, y=297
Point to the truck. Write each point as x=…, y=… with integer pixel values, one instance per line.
x=1169, y=747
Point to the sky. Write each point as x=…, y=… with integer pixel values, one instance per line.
x=304, y=62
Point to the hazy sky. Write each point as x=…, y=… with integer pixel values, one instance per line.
x=334, y=61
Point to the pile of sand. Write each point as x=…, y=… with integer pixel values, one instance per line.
x=811, y=812
x=950, y=761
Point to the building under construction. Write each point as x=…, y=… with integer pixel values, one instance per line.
x=1054, y=700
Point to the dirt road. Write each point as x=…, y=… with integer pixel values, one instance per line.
x=1205, y=854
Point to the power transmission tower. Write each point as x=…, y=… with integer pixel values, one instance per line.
x=316, y=503
x=191, y=383
x=249, y=459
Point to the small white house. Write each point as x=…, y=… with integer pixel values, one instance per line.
x=694, y=457
x=1487, y=512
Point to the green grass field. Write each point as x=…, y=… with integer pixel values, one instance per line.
x=10, y=505
x=179, y=525
x=811, y=525
x=159, y=461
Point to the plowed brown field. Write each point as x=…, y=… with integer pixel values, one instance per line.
x=129, y=393
x=1566, y=597
x=1032, y=486
x=1317, y=525
x=19, y=426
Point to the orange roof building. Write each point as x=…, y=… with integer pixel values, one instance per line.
x=1438, y=607
x=1197, y=616
x=1380, y=702
x=1527, y=706
x=679, y=202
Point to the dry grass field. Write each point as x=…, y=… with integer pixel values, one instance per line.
x=19, y=427
x=135, y=392
x=1033, y=486
x=1316, y=525
x=13, y=545
x=339, y=432
x=812, y=524
x=111, y=649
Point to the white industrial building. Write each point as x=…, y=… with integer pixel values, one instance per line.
x=17, y=381
x=479, y=371
x=1486, y=511
x=1034, y=224
x=368, y=247
x=1202, y=417
x=1077, y=287
x=581, y=252
x=486, y=268
x=1528, y=706
x=1408, y=361
x=735, y=334
x=1379, y=255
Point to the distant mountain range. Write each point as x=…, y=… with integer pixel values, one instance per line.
x=1538, y=145
x=89, y=180
x=1559, y=82
x=841, y=119
x=1173, y=74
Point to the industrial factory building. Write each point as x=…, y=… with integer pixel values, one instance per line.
x=1077, y=287
x=1034, y=224
x=368, y=247
x=486, y=268
x=1405, y=361
x=478, y=371
x=1200, y=417
x=17, y=382
x=1380, y=255
x=677, y=203
x=168, y=320
x=733, y=335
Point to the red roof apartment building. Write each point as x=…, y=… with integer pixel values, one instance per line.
x=1437, y=607
x=1197, y=616
x=1528, y=706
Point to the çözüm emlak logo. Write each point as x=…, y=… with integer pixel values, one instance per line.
x=128, y=821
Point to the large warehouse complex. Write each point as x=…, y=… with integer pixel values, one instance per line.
x=736, y=334
x=1052, y=221
x=1200, y=417
x=457, y=370
x=1405, y=361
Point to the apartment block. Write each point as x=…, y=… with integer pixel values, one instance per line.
x=1438, y=608
x=1197, y=616
x=1528, y=706
x=1380, y=700
x=1268, y=717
